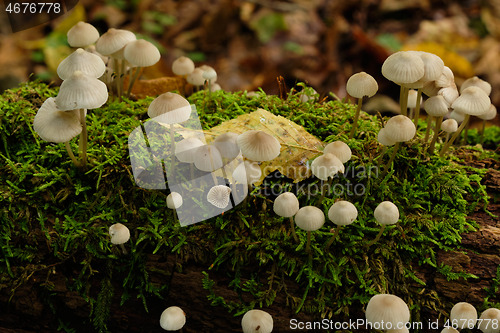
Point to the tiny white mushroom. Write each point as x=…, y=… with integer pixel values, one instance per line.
x=120, y=234
x=172, y=319
x=219, y=196
x=257, y=321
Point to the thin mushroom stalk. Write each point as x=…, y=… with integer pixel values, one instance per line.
x=137, y=72
x=356, y=117
x=83, y=138
x=381, y=231
x=334, y=236
x=417, y=108
x=391, y=159
x=292, y=228
x=483, y=127
x=439, y=121
x=428, y=129
x=455, y=135
x=70, y=153
x=403, y=100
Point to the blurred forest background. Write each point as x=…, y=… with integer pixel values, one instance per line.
x=250, y=43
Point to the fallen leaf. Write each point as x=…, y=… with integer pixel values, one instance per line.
x=297, y=145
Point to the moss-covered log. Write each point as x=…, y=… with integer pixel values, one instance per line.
x=59, y=270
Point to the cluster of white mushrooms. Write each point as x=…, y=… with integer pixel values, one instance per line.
x=98, y=62
x=93, y=70
x=390, y=313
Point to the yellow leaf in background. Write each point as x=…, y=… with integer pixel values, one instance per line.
x=297, y=145
x=71, y=18
x=458, y=64
x=54, y=55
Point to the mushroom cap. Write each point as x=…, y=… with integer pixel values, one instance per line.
x=476, y=82
x=172, y=319
x=81, y=91
x=196, y=77
x=309, y=218
x=54, y=125
x=430, y=88
x=450, y=93
x=489, y=316
x=446, y=78
x=258, y=145
x=257, y=321
x=383, y=139
x=119, y=233
x=436, y=106
x=141, y=53
x=185, y=150
x=83, y=61
x=286, y=204
x=458, y=116
x=490, y=115
x=209, y=74
x=361, y=84
x=387, y=309
x=433, y=66
x=403, y=67
x=464, y=314
x=227, y=145
x=247, y=172
x=400, y=129
x=113, y=41
x=82, y=34
x=174, y=200
x=207, y=158
x=339, y=149
x=473, y=101
x=182, y=66
x=326, y=166
x=219, y=196
x=342, y=213
x=386, y=213
x=449, y=330
x=449, y=125
x=170, y=108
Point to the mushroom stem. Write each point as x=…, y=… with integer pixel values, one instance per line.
x=482, y=132
x=70, y=153
x=455, y=135
x=333, y=237
x=83, y=138
x=356, y=117
x=323, y=191
x=132, y=81
x=428, y=129
x=466, y=134
x=417, y=107
x=308, y=244
x=391, y=159
x=124, y=250
x=172, y=149
x=292, y=227
x=378, y=236
x=437, y=126
x=403, y=100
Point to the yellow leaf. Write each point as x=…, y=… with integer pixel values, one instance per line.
x=297, y=145
x=459, y=65
x=71, y=18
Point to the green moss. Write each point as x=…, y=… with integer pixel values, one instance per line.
x=55, y=215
